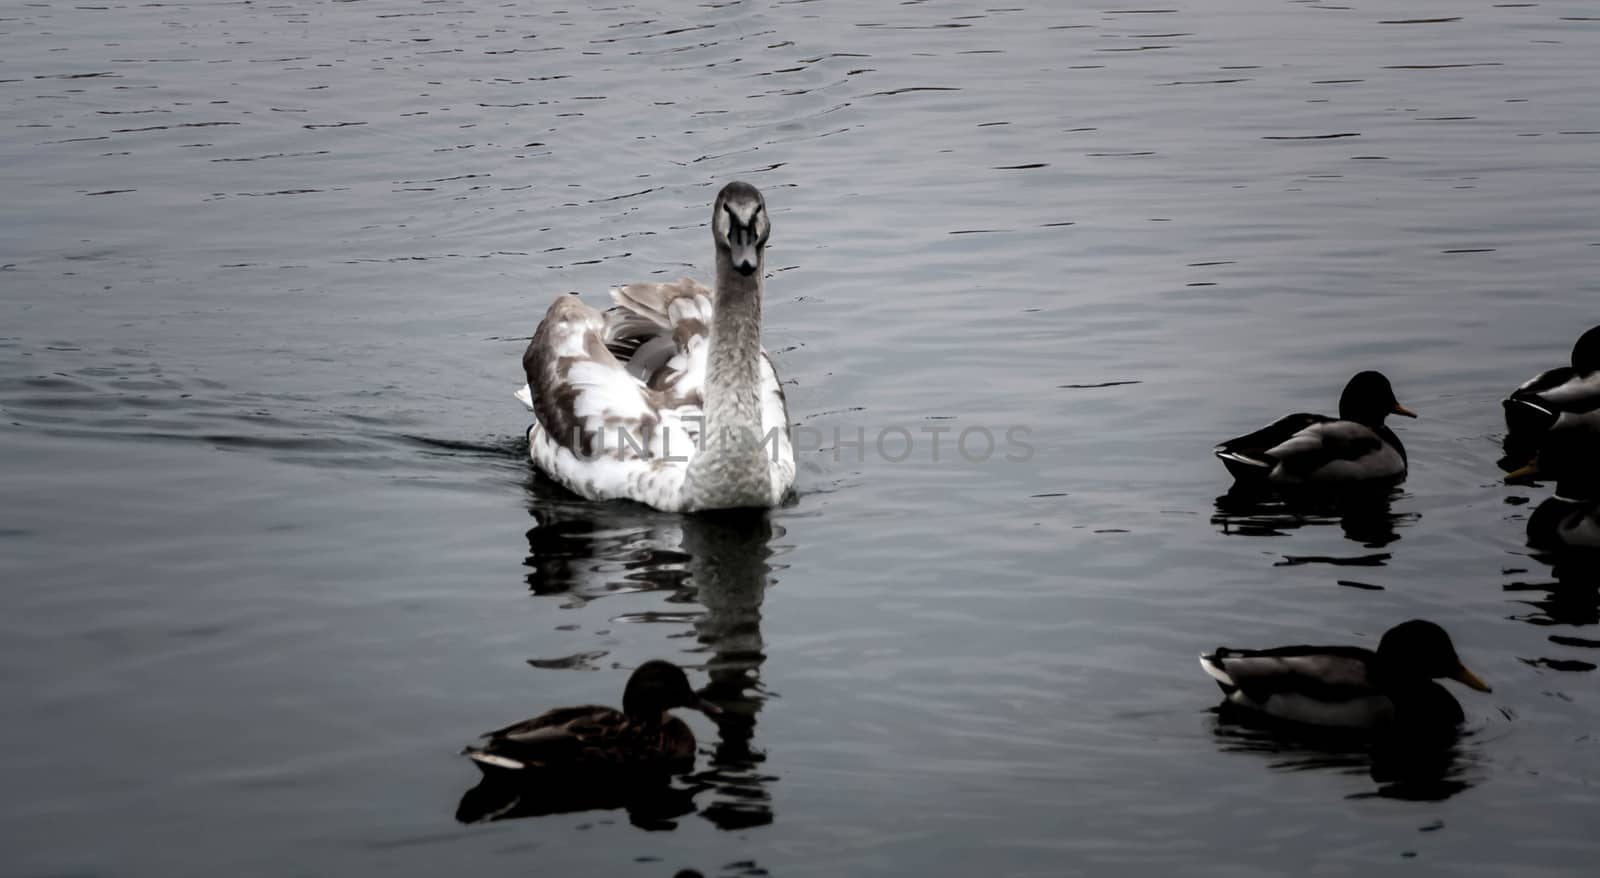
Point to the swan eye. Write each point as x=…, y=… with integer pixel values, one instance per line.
x=741, y=222
x=759, y=225
x=731, y=226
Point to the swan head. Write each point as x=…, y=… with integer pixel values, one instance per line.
x=740, y=227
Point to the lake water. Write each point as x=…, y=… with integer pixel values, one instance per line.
x=272, y=552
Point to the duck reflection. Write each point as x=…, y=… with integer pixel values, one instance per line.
x=650, y=805
x=1366, y=516
x=1413, y=767
x=1570, y=598
x=716, y=567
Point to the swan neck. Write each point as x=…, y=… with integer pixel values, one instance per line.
x=733, y=360
x=731, y=468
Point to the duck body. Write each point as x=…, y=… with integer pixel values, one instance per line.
x=1347, y=687
x=1306, y=448
x=1566, y=398
x=1562, y=394
x=1569, y=519
x=1356, y=448
x=1560, y=523
x=602, y=744
x=1336, y=686
x=1560, y=398
x=668, y=399
x=591, y=740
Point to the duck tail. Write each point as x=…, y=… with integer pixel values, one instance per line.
x=1211, y=663
x=1242, y=458
x=1244, y=466
x=487, y=761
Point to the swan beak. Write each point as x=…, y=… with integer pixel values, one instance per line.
x=1402, y=410
x=746, y=259
x=1528, y=471
x=1470, y=680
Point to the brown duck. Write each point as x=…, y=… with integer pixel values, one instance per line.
x=641, y=738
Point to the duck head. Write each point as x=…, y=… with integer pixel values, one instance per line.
x=658, y=686
x=1421, y=648
x=1586, y=353
x=1369, y=398
x=740, y=227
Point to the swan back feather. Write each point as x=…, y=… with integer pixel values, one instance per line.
x=619, y=397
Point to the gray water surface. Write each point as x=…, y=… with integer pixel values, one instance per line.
x=272, y=551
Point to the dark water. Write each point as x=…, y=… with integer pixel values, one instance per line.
x=271, y=552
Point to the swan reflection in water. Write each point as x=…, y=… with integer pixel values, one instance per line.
x=716, y=568
x=1411, y=767
x=1366, y=516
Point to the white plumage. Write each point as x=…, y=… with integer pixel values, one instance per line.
x=668, y=399
x=642, y=433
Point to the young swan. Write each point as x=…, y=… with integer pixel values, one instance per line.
x=667, y=399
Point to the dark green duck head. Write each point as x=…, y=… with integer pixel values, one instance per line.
x=1419, y=649
x=1586, y=353
x=1369, y=398
x=658, y=686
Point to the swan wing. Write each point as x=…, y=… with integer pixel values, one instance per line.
x=665, y=329
x=599, y=430
x=668, y=326
x=577, y=387
x=777, y=442
x=619, y=396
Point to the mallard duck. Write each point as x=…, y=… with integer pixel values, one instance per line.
x=1567, y=396
x=640, y=739
x=1563, y=523
x=1571, y=518
x=667, y=399
x=1302, y=448
x=1348, y=686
